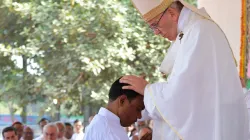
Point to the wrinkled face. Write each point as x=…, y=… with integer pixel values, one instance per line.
x=28, y=134
x=166, y=23
x=61, y=130
x=129, y=111
x=78, y=127
x=68, y=132
x=43, y=123
x=50, y=133
x=10, y=135
x=19, y=130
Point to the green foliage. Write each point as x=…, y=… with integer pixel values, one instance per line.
x=74, y=50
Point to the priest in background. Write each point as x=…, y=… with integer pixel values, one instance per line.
x=201, y=98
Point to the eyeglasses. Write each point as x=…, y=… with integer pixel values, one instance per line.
x=154, y=27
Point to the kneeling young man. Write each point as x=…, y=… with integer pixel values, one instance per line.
x=123, y=109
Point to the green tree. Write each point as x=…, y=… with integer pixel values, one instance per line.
x=72, y=51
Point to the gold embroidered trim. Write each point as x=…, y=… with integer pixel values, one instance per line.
x=157, y=10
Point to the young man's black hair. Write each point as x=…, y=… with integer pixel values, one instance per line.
x=43, y=119
x=8, y=129
x=116, y=91
x=67, y=124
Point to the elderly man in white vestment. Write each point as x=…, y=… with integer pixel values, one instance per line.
x=123, y=109
x=201, y=98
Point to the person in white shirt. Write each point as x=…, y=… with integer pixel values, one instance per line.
x=61, y=131
x=123, y=109
x=78, y=128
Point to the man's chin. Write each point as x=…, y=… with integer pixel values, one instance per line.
x=125, y=125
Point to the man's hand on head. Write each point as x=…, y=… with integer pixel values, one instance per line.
x=136, y=83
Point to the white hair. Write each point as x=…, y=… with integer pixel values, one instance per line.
x=50, y=125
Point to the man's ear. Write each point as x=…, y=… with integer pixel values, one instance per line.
x=122, y=100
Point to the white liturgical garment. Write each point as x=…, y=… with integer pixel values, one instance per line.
x=201, y=99
x=105, y=126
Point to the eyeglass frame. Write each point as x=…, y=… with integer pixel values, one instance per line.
x=155, y=26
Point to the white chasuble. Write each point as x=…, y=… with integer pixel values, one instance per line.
x=202, y=98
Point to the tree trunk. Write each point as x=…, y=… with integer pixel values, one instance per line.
x=86, y=114
x=12, y=113
x=58, y=113
x=24, y=114
x=85, y=106
x=24, y=111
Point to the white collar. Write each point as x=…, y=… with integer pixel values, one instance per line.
x=109, y=115
x=183, y=19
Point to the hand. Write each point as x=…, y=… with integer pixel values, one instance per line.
x=136, y=83
x=147, y=136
